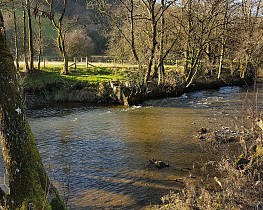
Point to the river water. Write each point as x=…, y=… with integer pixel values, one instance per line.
x=98, y=157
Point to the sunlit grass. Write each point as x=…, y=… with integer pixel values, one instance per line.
x=94, y=74
x=91, y=75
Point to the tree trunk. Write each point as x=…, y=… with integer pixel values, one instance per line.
x=26, y=67
x=30, y=37
x=65, y=69
x=223, y=41
x=62, y=48
x=29, y=186
x=133, y=47
x=153, y=44
x=194, y=65
x=16, y=37
x=161, y=53
x=222, y=52
x=39, y=43
x=61, y=34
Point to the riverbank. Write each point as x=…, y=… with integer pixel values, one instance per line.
x=113, y=89
x=235, y=184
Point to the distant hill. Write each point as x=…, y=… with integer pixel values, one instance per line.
x=77, y=15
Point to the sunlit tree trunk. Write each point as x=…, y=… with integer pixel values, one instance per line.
x=62, y=47
x=161, y=50
x=28, y=183
x=150, y=5
x=188, y=39
x=165, y=46
x=201, y=22
x=193, y=48
x=133, y=46
x=223, y=39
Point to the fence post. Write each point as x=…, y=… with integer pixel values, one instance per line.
x=75, y=63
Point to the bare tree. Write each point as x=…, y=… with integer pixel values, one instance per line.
x=250, y=43
x=123, y=10
x=204, y=28
x=168, y=37
x=138, y=24
x=58, y=24
x=153, y=18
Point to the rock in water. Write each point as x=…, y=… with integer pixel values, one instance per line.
x=159, y=164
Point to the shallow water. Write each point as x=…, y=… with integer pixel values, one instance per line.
x=98, y=157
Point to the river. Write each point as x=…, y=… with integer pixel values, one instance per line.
x=98, y=157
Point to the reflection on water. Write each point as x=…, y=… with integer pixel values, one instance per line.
x=98, y=157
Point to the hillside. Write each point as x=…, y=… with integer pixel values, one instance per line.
x=77, y=16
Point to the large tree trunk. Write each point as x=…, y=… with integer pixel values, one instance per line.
x=29, y=186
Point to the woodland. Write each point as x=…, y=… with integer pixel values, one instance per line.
x=203, y=36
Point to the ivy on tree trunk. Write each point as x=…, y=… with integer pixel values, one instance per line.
x=28, y=183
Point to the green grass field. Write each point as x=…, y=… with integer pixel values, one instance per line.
x=93, y=75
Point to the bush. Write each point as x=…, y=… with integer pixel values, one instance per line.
x=78, y=43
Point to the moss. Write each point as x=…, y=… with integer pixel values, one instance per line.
x=57, y=204
x=28, y=181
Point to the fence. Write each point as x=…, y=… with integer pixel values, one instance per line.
x=85, y=62
x=76, y=61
